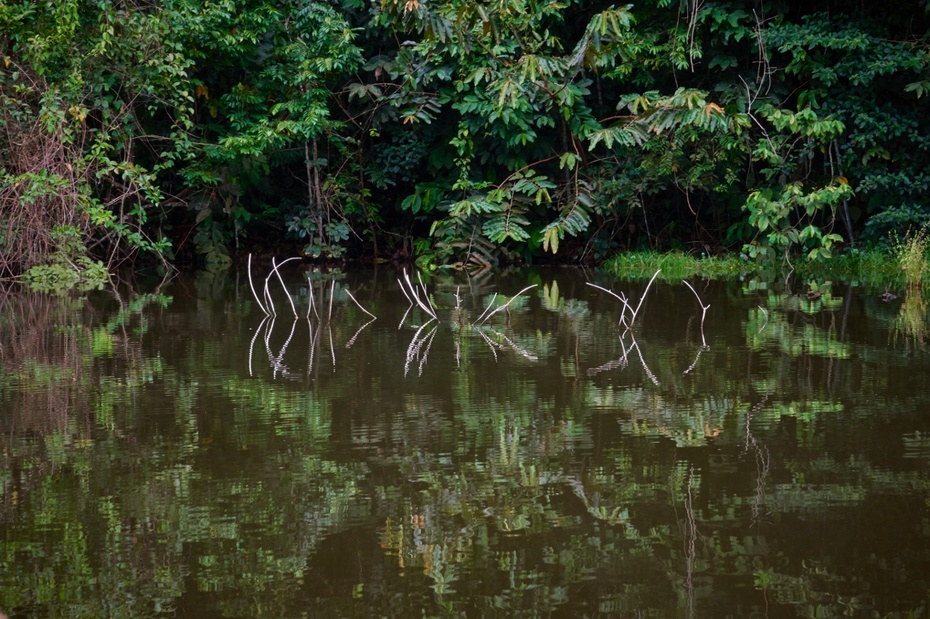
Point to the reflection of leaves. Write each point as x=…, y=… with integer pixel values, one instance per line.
x=913, y=320
x=803, y=411
x=241, y=486
x=574, y=309
x=772, y=330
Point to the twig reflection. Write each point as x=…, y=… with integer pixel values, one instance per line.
x=314, y=331
x=623, y=361
x=416, y=345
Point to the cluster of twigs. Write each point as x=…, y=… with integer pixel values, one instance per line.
x=266, y=327
x=418, y=296
x=626, y=302
x=627, y=322
x=419, y=347
x=412, y=292
x=485, y=315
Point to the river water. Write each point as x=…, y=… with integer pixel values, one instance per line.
x=735, y=449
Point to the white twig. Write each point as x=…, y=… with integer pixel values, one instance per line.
x=409, y=307
x=416, y=297
x=254, y=294
x=332, y=349
x=360, y=305
x=280, y=279
x=696, y=295
x=490, y=303
x=608, y=291
x=504, y=306
x=643, y=298
x=400, y=282
x=311, y=301
x=332, y=291
x=764, y=324
x=268, y=300
x=704, y=309
x=274, y=271
x=621, y=297
x=426, y=294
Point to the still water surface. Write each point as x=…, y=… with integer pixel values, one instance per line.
x=179, y=454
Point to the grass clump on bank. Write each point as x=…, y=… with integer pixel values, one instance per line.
x=905, y=265
x=676, y=266
x=912, y=255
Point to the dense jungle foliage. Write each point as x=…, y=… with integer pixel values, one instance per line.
x=455, y=130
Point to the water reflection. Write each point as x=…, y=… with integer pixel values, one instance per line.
x=502, y=447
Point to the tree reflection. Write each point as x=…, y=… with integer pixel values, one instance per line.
x=456, y=467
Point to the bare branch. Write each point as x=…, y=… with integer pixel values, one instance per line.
x=504, y=306
x=360, y=305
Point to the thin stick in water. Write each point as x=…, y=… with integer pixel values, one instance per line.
x=281, y=279
x=410, y=307
x=621, y=297
x=332, y=348
x=252, y=286
x=416, y=297
x=311, y=302
x=332, y=290
x=360, y=305
x=426, y=294
x=643, y=298
x=504, y=306
x=704, y=309
x=490, y=303
x=400, y=282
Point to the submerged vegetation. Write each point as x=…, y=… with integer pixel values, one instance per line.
x=456, y=131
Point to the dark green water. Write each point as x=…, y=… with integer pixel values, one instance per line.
x=180, y=455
